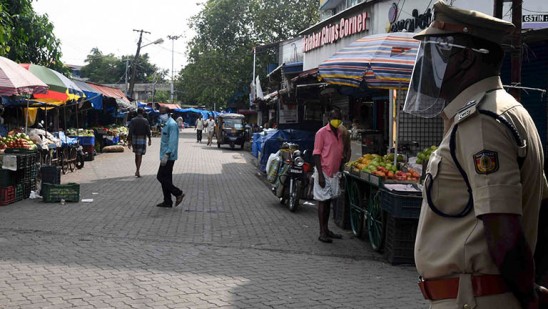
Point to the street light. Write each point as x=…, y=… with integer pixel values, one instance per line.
x=172, y=38
x=134, y=65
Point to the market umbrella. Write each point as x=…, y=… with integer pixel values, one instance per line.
x=14, y=80
x=61, y=88
x=384, y=61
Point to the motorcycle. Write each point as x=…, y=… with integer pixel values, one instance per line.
x=293, y=176
x=80, y=155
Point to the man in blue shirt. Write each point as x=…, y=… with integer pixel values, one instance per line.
x=169, y=143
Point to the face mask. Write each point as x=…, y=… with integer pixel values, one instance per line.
x=335, y=123
x=164, y=117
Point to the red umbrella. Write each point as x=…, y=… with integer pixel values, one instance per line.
x=15, y=80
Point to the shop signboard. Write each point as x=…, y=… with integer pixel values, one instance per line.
x=339, y=29
x=535, y=21
x=288, y=114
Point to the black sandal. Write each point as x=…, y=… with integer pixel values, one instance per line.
x=333, y=235
x=325, y=239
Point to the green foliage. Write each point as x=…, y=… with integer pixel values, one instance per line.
x=27, y=37
x=109, y=69
x=162, y=96
x=220, y=56
x=103, y=69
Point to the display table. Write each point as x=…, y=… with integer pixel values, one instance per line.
x=387, y=210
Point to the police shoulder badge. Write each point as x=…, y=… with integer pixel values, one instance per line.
x=486, y=162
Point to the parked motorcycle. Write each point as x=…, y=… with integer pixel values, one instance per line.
x=293, y=176
x=80, y=155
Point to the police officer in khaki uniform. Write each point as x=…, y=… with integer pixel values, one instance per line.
x=484, y=183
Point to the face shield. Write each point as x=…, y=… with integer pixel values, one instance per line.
x=423, y=98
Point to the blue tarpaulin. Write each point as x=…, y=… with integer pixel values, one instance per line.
x=272, y=143
x=205, y=114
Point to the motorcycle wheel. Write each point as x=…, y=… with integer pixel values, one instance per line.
x=79, y=161
x=294, y=196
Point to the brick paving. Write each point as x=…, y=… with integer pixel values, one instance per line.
x=229, y=245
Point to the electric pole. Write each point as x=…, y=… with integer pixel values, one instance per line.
x=172, y=38
x=134, y=64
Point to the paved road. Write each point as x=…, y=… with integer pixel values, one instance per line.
x=229, y=245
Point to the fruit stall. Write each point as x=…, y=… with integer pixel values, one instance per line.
x=19, y=162
x=384, y=198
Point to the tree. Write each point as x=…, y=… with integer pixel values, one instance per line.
x=28, y=37
x=103, y=69
x=220, y=58
x=109, y=69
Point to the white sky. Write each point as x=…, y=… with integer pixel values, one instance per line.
x=108, y=25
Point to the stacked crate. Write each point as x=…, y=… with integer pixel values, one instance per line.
x=7, y=187
x=17, y=185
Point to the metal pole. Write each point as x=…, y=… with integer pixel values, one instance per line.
x=254, y=94
x=517, y=49
x=172, y=38
x=497, y=8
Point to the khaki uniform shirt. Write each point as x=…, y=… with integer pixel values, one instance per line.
x=487, y=151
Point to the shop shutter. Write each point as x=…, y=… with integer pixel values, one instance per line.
x=342, y=103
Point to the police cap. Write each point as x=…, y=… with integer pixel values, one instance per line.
x=451, y=20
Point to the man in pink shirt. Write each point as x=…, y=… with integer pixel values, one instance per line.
x=328, y=156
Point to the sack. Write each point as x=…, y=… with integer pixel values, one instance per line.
x=113, y=148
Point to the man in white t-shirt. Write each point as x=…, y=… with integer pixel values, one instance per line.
x=199, y=127
x=210, y=129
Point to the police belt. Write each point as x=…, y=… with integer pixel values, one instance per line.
x=482, y=285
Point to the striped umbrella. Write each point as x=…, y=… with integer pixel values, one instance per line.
x=61, y=88
x=384, y=61
x=14, y=80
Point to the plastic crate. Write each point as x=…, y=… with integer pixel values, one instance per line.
x=19, y=193
x=111, y=140
x=86, y=140
x=7, y=178
x=50, y=174
x=399, y=243
x=55, y=193
x=7, y=195
x=401, y=205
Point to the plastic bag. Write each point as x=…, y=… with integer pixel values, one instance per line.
x=270, y=159
x=272, y=167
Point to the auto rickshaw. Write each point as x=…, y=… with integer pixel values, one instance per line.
x=231, y=130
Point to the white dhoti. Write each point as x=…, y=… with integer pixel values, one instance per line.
x=332, y=188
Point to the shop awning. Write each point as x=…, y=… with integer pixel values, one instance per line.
x=119, y=97
x=383, y=61
x=92, y=95
x=305, y=74
x=169, y=106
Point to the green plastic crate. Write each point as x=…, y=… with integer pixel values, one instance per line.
x=52, y=193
